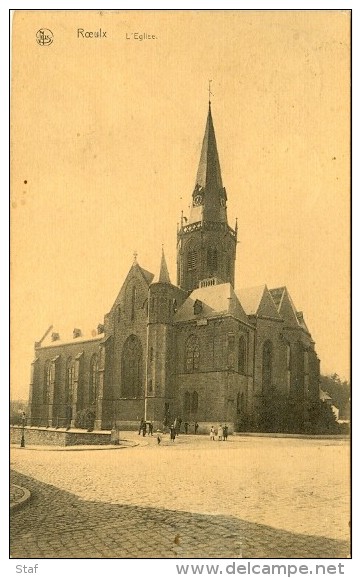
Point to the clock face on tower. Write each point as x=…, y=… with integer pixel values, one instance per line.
x=198, y=199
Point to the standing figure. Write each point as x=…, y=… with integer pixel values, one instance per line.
x=211, y=433
x=140, y=426
x=220, y=433
x=144, y=428
x=186, y=427
x=150, y=428
x=159, y=436
x=172, y=433
x=225, y=432
x=196, y=426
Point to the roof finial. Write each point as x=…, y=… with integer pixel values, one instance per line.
x=209, y=93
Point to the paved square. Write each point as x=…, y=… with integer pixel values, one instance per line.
x=248, y=497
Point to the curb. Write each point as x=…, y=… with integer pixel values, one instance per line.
x=333, y=437
x=21, y=501
x=78, y=448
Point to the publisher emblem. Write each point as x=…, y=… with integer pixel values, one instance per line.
x=44, y=37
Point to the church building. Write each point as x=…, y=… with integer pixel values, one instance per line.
x=201, y=350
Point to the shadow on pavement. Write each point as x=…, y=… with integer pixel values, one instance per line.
x=58, y=524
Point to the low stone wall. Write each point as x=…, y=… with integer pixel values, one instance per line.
x=41, y=436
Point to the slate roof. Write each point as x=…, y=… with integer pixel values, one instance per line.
x=216, y=300
x=250, y=297
x=209, y=186
x=163, y=276
x=286, y=307
x=47, y=342
x=148, y=276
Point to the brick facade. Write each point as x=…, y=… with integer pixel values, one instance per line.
x=199, y=351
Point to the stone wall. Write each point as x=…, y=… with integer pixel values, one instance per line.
x=57, y=437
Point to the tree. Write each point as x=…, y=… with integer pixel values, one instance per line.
x=340, y=392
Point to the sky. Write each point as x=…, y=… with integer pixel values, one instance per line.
x=105, y=142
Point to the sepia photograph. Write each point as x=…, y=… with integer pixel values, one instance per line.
x=180, y=286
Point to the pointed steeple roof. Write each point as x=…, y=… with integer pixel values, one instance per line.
x=209, y=170
x=163, y=272
x=209, y=196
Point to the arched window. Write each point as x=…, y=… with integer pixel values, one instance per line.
x=288, y=366
x=306, y=369
x=192, y=354
x=151, y=354
x=187, y=403
x=94, y=380
x=191, y=259
x=267, y=365
x=242, y=355
x=69, y=383
x=194, y=402
x=134, y=300
x=150, y=386
x=132, y=367
x=212, y=260
x=47, y=382
x=241, y=404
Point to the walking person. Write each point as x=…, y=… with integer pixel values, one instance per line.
x=159, y=436
x=211, y=434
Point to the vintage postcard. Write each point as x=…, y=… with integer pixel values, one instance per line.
x=180, y=315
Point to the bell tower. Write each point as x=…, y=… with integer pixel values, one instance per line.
x=206, y=244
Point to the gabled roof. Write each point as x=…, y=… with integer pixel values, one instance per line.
x=287, y=309
x=135, y=270
x=257, y=301
x=146, y=274
x=216, y=300
x=284, y=305
x=250, y=297
x=277, y=295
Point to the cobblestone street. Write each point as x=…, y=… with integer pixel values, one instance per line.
x=249, y=497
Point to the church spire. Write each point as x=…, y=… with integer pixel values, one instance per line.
x=206, y=247
x=163, y=272
x=209, y=196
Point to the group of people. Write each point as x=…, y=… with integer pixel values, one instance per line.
x=174, y=430
x=221, y=434
x=143, y=427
